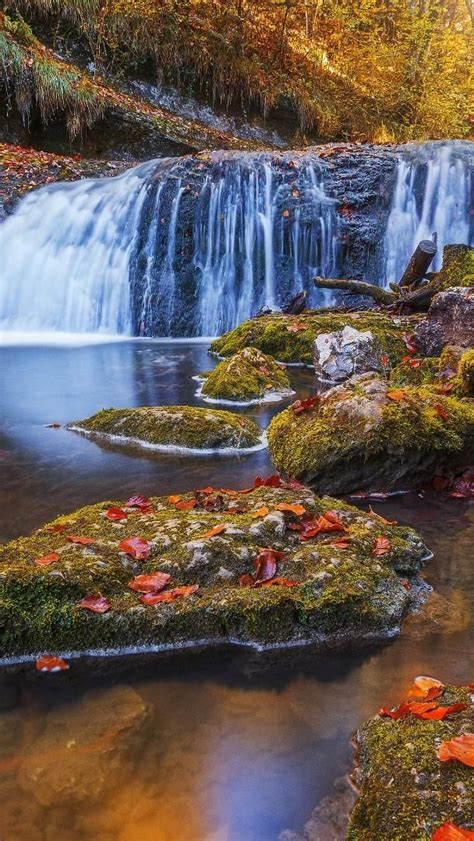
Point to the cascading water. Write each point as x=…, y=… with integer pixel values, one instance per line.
x=192, y=246
x=432, y=194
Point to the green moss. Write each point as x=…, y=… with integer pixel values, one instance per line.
x=466, y=373
x=458, y=266
x=247, y=375
x=291, y=338
x=346, y=593
x=179, y=426
x=405, y=791
x=357, y=437
x=424, y=371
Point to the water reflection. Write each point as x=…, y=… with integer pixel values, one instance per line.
x=220, y=745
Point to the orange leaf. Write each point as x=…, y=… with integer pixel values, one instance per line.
x=381, y=546
x=260, y=512
x=56, y=527
x=397, y=394
x=460, y=748
x=136, y=547
x=451, y=832
x=212, y=532
x=297, y=510
x=174, y=499
x=97, y=604
x=439, y=713
x=48, y=663
x=47, y=559
x=152, y=583
x=206, y=491
x=281, y=582
x=170, y=595
x=83, y=541
x=300, y=406
x=186, y=504
x=422, y=685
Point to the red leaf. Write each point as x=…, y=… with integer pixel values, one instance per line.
x=409, y=343
x=297, y=510
x=186, y=504
x=451, y=832
x=206, y=491
x=265, y=568
x=56, y=527
x=136, y=547
x=460, y=748
x=170, y=595
x=406, y=584
x=212, y=532
x=381, y=546
x=341, y=542
x=300, y=406
x=273, y=481
x=441, y=411
x=279, y=581
x=442, y=711
x=97, y=604
x=83, y=541
x=116, y=514
x=48, y=663
x=152, y=583
x=138, y=501
x=325, y=523
x=45, y=560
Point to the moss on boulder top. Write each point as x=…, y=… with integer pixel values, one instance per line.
x=183, y=427
x=405, y=790
x=248, y=375
x=458, y=267
x=338, y=595
x=466, y=373
x=290, y=338
x=367, y=435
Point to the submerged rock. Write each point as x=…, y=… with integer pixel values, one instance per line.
x=405, y=790
x=366, y=435
x=450, y=321
x=329, y=820
x=329, y=592
x=182, y=427
x=291, y=338
x=81, y=746
x=339, y=355
x=249, y=375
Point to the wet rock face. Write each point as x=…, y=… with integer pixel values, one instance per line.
x=58, y=767
x=367, y=435
x=210, y=542
x=450, y=321
x=337, y=356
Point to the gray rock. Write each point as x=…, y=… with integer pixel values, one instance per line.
x=339, y=355
x=329, y=819
x=450, y=321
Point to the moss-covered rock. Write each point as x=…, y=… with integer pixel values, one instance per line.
x=290, y=338
x=180, y=427
x=466, y=373
x=368, y=435
x=405, y=790
x=248, y=376
x=341, y=595
x=458, y=267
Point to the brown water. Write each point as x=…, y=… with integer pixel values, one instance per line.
x=221, y=745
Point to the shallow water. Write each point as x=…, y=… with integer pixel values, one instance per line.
x=220, y=745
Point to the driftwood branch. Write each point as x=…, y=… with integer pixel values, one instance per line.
x=419, y=298
x=358, y=287
x=419, y=263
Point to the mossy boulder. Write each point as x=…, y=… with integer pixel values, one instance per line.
x=180, y=427
x=367, y=435
x=291, y=338
x=458, y=267
x=466, y=373
x=449, y=321
x=248, y=376
x=405, y=790
x=339, y=596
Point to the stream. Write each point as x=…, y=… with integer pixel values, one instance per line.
x=224, y=744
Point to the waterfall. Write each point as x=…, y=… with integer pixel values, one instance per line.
x=192, y=246
x=432, y=193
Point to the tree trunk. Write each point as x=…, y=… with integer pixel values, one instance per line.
x=419, y=263
x=358, y=287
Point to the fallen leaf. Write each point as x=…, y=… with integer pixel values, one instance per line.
x=273, y=481
x=260, y=512
x=280, y=582
x=397, y=395
x=56, y=527
x=325, y=523
x=136, y=547
x=45, y=560
x=341, y=542
x=265, y=568
x=83, y=541
x=48, y=663
x=206, y=491
x=212, y=532
x=409, y=342
x=381, y=545
x=174, y=498
x=116, y=514
x=441, y=411
x=138, y=501
x=96, y=604
x=297, y=327
x=439, y=713
x=460, y=748
x=152, y=583
x=186, y=504
x=300, y=406
x=170, y=595
x=451, y=832
x=297, y=510
x=423, y=684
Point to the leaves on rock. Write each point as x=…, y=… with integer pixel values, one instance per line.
x=297, y=510
x=136, y=547
x=325, y=523
x=300, y=406
x=265, y=568
x=82, y=541
x=96, y=604
x=186, y=504
x=260, y=512
x=116, y=514
x=381, y=545
x=214, y=531
x=49, y=663
x=451, y=832
x=169, y=595
x=461, y=748
x=152, y=583
x=397, y=395
x=45, y=560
